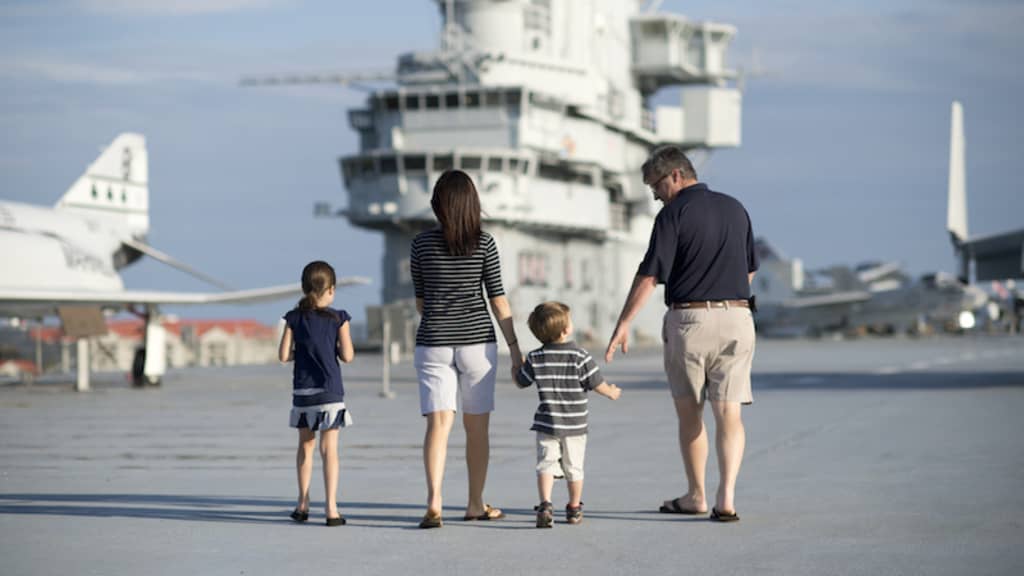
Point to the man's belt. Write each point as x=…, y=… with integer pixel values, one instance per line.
x=708, y=304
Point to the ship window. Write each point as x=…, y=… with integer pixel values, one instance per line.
x=513, y=164
x=412, y=102
x=94, y=194
x=415, y=163
x=391, y=102
x=124, y=197
x=433, y=101
x=443, y=163
x=533, y=269
x=512, y=97
x=451, y=100
x=472, y=99
x=388, y=165
x=364, y=166
x=494, y=164
x=526, y=166
x=471, y=162
x=492, y=99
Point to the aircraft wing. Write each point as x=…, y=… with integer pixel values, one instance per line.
x=12, y=300
x=832, y=299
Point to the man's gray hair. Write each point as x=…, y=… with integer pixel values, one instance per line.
x=665, y=159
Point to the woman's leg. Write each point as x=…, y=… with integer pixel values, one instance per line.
x=478, y=451
x=438, y=383
x=477, y=367
x=435, y=451
x=329, y=458
x=304, y=466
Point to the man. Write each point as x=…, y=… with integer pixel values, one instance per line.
x=702, y=250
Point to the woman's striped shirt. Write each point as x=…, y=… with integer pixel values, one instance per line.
x=452, y=288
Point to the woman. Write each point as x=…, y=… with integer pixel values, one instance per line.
x=456, y=349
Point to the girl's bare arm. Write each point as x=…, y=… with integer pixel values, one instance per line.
x=345, y=350
x=284, y=351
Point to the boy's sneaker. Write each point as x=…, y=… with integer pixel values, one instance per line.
x=545, y=515
x=574, y=515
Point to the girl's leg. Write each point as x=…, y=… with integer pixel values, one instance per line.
x=435, y=451
x=478, y=451
x=329, y=457
x=304, y=466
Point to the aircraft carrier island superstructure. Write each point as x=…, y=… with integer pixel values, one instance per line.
x=547, y=104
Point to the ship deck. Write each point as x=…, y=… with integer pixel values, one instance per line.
x=877, y=456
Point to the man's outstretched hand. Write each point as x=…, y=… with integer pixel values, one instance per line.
x=620, y=338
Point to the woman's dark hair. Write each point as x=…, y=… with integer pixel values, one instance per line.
x=317, y=277
x=457, y=207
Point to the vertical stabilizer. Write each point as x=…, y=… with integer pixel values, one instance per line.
x=956, y=220
x=115, y=186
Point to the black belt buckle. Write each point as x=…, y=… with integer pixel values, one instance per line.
x=752, y=301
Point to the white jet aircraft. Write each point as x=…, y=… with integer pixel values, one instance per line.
x=65, y=259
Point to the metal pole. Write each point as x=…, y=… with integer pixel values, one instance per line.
x=82, y=384
x=39, y=348
x=385, y=352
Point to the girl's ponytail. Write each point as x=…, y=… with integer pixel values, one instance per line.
x=317, y=277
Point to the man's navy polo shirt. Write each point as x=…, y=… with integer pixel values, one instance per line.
x=701, y=248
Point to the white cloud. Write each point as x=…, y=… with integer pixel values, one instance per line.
x=69, y=72
x=173, y=7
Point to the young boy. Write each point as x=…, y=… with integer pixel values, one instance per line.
x=563, y=373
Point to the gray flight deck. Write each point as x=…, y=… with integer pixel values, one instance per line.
x=887, y=456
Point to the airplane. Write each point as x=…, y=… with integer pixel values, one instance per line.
x=995, y=256
x=874, y=297
x=64, y=260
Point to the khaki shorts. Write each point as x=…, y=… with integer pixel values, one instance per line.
x=708, y=353
x=561, y=455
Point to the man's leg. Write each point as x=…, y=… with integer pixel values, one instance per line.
x=693, y=444
x=730, y=440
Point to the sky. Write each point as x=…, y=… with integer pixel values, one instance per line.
x=845, y=124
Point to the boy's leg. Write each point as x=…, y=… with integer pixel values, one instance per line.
x=549, y=455
x=545, y=483
x=329, y=457
x=575, y=493
x=574, y=450
x=730, y=440
x=304, y=466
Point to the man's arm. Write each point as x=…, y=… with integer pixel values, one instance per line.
x=641, y=290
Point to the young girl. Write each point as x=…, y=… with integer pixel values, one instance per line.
x=320, y=336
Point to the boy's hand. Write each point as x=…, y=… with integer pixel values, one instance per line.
x=613, y=392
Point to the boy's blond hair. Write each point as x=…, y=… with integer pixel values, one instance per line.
x=548, y=320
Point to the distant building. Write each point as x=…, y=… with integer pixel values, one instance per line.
x=189, y=343
x=20, y=369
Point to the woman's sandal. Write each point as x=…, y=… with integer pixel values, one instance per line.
x=431, y=520
x=300, y=515
x=490, y=513
x=721, y=516
x=337, y=521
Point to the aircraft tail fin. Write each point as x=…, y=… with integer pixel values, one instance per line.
x=116, y=184
x=956, y=216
